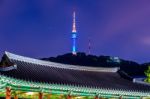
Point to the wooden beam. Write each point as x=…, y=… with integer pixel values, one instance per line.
x=120, y=97
x=69, y=97
x=8, y=93
x=49, y=96
x=15, y=97
x=40, y=95
x=96, y=97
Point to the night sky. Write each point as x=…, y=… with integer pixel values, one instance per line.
x=42, y=28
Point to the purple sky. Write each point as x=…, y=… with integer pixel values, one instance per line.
x=42, y=28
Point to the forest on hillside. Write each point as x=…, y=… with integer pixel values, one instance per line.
x=130, y=67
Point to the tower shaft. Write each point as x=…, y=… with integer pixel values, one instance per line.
x=74, y=35
x=89, y=47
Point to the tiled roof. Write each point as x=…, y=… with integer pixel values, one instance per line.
x=49, y=72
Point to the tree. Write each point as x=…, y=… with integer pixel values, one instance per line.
x=147, y=73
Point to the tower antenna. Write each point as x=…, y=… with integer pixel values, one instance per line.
x=89, y=46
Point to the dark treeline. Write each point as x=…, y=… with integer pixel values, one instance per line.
x=130, y=67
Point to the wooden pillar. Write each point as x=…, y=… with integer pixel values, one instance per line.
x=96, y=97
x=120, y=97
x=15, y=97
x=69, y=97
x=61, y=97
x=49, y=96
x=141, y=97
x=8, y=93
x=40, y=95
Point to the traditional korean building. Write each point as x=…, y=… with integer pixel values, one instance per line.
x=23, y=77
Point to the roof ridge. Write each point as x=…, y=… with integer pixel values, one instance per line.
x=59, y=65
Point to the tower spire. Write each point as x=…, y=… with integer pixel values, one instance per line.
x=74, y=35
x=74, y=22
x=89, y=47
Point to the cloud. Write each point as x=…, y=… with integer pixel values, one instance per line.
x=145, y=40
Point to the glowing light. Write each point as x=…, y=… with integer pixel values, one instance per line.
x=74, y=22
x=29, y=93
x=79, y=97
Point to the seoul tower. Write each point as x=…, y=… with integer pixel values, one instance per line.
x=74, y=35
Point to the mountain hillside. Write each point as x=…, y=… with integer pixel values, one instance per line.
x=130, y=67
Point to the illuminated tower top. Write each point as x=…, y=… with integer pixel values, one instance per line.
x=74, y=35
x=74, y=22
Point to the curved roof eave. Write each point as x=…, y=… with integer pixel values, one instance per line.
x=12, y=56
